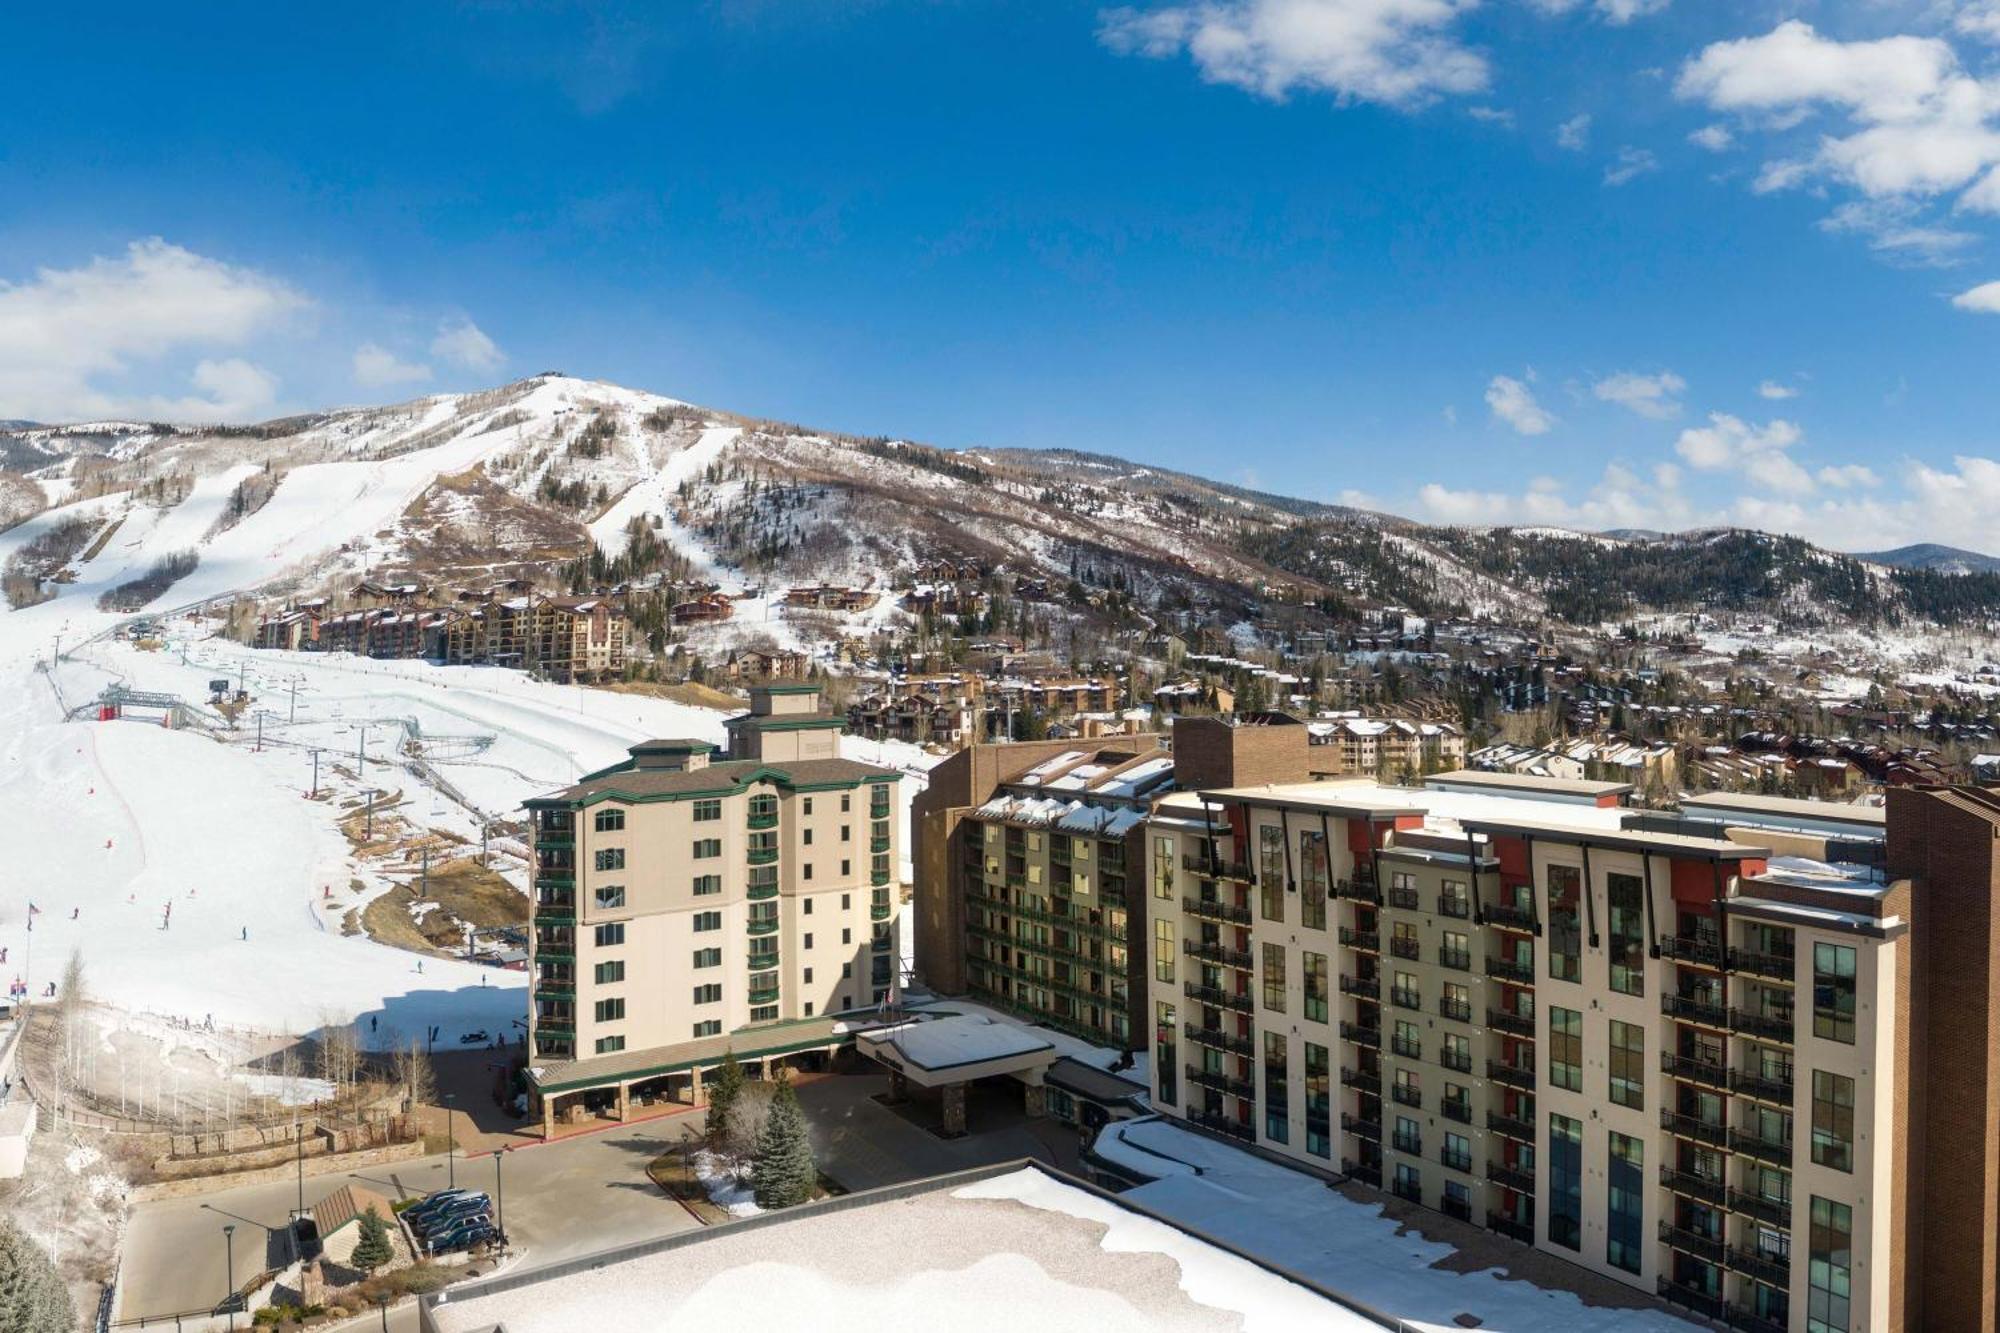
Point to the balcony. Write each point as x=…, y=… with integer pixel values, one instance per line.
x=1508, y=1227
x=1223, y=1124
x=1361, y=1034
x=768, y=995
x=1457, y=908
x=1761, y=1087
x=758, y=961
x=1774, y=1212
x=1692, y=1010
x=761, y=856
x=1360, y=1128
x=878, y=878
x=1769, y=966
x=761, y=925
x=1754, y=1144
x=1513, y=1177
x=1360, y=889
x=759, y=892
x=556, y=914
x=881, y=943
x=1771, y=1269
x=1456, y=1110
x=762, y=821
x=1694, y=1071
x=555, y=837
x=1749, y=1321
x=1692, y=1297
x=1513, y=1076
x=1508, y=917
x=1764, y=1026
x=1692, y=1127
x=1218, y=954
x=563, y=986
x=1362, y=1171
x=1214, y=909
x=1221, y=1041
x=1219, y=999
x=1407, y=1190
x=1707, y=1189
x=1219, y=1082
x=1405, y=999
x=1684, y=949
x=1406, y=899
x=1370, y=1084
x=1708, y=1248
x=1217, y=867
x=1506, y=1020
x=880, y=911
x=1459, y=1011
x=1368, y=988
x=1506, y=969
x=1459, y=960
x=1368, y=941
x=1405, y=1095
x=1512, y=1126
x=1404, y=946
x=878, y=845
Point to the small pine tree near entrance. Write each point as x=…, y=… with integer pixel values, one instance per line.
x=784, y=1173
x=373, y=1249
x=33, y=1298
x=723, y=1094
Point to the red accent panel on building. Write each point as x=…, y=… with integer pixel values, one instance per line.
x=1513, y=854
x=1357, y=838
x=1694, y=885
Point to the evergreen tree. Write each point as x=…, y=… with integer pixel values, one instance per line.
x=784, y=1173
x=723, y=1094
x=373, y=1249
x=33, y=1298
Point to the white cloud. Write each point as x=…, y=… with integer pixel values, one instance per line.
x=1775, y=391
x=1726, y=441
x=1896, y=230
x=1492, y=115
x=1574, y=133
x=1630, y=164
x=1980, y=19
x=1514, y=402
x=462, y=343
x=375, y=365
x=1396, y=52
x=1614, y=12
x=1717, y=138
x=1983, y=299
x=1849, y=476
x=1654, y=396
x=64, y=332
x=1919, y=125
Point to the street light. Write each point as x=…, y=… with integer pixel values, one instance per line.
x=451, y=1143
x=382, y=1304
x=229, y=1269
x=500, y=1198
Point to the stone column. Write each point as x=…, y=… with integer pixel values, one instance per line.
x=548, y=1115
x=899, y=1086
x=1035, y=1098
x=954, y=1109
x=624, y=1101
x=696, y=1094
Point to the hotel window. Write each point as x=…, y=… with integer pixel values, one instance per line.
x=709, y=1027
x=1312, y=893
x=705, y=921
x=1626, y=897
x=708, y=958
x=1165, y=1037
x=606, y=936
x=1828, y=1274
x=1274, y=978
x=1409, y=1181
x=1277, y=1091
x=1833, y=992
x=1457, y=1153
x=610, y=1045
x=1319, y=1105
x=610, y=858
x=704, y=811
x=609, y=895
x=1404, y=992
x=1455, y=951
x=1407, y=1041
x=608, y=821
x=1408, y=1089
x=610, y=1011
x=1564, y=923
x=1408, y=1136
x=707, y=884
x=1565, y=1182
x=1833, y=1120
x=1271, y=872
x=1455, y=1052
x=1624, y=1239
x=1566, y=1049
x=1163, y=950
x=709, y=994
x=605, y=973
x=1316, y=986
x=1163, y=867
x=764, y=1013
x=806, y=835
x=1453, y=899
x=1628, y=1065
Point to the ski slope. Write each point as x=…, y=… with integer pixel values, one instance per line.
x=654, y=497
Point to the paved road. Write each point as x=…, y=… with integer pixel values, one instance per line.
x=561, y=1200
x=864, y=1145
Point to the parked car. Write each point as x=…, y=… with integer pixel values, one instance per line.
x=456, y=1217
x=462, y=1237
x=451, y=1211
x=439, y=1201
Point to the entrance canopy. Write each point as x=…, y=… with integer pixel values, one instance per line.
x=942, y=1052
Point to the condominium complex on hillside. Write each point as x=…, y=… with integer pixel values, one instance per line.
x=1741, y=1055
x=688, y=904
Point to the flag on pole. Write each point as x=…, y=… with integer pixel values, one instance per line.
x=33, y=912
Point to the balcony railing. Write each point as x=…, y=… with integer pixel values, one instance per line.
x=1693, y=1010
x=1406, y=999
x=1506, y=969
x=1458, y=1208
x=1692, y=1127
x=761, y=856
x=1219, y=999
x=1404, y=1188
x=1692, y=1242
x=878, y=877
x=1218, y=953
x=1458, y=1061
x=1223, y=1124
x=1684, y=949
x=1360, y=889
x=1761, y=1025
x=1413, y=1144
x=759, y=892
x=761, y=925
x=1771, y=1269
x=1749, y=1321
x=1754, y=1144
x=1506, y=1020
x=1221, y=1041
x=762, y=821
x=1457, y=908
x=1225, y=1083
x=1509, y=916
x=1369, y=941
x=1370, y=1084
x=1459, y=960
x=1459, y=1011
x=1404, y=946
x=1512, y=1126
x=1693, y=1070
x=1770, y=966
x=1708, y=1189
x=1217, y=867
x=880, y=911
x=1366, y=987
x=1361, y=1034
x=1513, y=1177
x=1214, y=909
x=767, y=995
x=1410, y=1048
x=1360, y=1128
x=1763, y=1087
x=1405, y=1095
x=878, y=844
x=1514, y=1076
x=1692, y=1297
x=1508, y=1227
x=1406, y=899
x=1775, y=1212
x=1456, y=1110
x=1366, y=1173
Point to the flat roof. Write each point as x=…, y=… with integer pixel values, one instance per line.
x=961, y=1041
x=979, y=1250
x=1722, y=802
x=748, y=1043
x=1527, y=782
x=629, y=782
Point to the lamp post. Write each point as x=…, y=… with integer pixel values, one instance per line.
x=299, y=1143
x=382, y=1304
x=500, y=1198
x=451, y=1142
x=229, y=1268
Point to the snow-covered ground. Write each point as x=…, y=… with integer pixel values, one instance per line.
x=1295, y=1221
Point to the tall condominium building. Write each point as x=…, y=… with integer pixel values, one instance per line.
x=1028, y=860
x=688, y=905
x=1744, y=1055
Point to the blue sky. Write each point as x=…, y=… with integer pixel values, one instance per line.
x=1459, y=260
